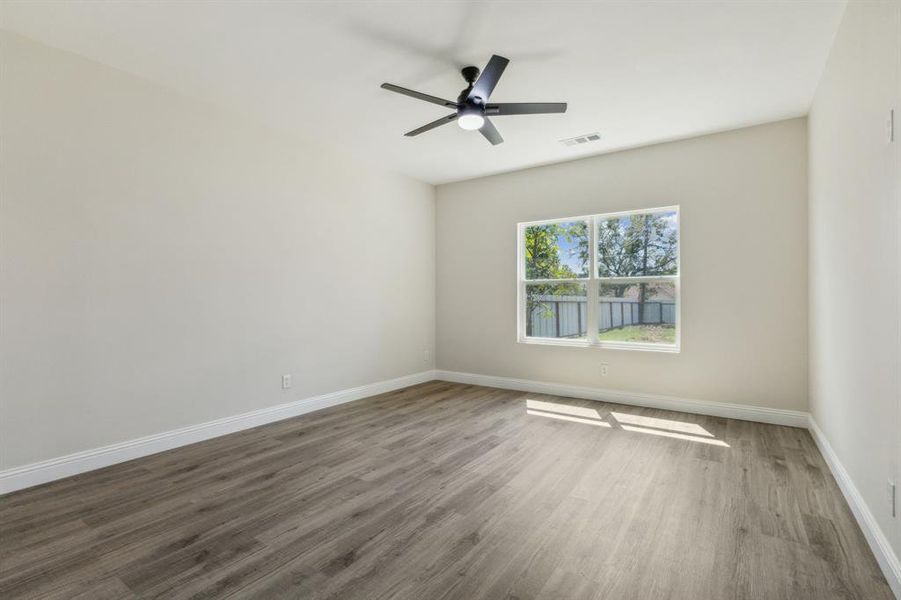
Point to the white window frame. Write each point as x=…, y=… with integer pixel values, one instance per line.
x=593, y=283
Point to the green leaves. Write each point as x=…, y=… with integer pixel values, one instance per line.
x=638, y=245
x=557, y=250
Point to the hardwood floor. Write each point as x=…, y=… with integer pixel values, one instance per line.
x=451, y=491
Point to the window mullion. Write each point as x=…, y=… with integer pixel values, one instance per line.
x=639, y=279
x=591, y=310
x=553, y=281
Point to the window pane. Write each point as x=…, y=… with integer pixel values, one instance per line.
x=643, y=312
x=557, y=310
x=637, y=245
x=557, y=250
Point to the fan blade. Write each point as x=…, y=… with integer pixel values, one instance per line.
x=486, y=82
x=525, y=108
x=491, y=133
x=432, y=125
x=419, y=95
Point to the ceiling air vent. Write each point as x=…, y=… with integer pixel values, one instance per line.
x=581, y=139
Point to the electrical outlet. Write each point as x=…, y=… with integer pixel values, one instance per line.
x=604, y=369
x=286, y=381
x=892, y=499
x=426, y=355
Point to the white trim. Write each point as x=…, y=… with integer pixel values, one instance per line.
x=760, y=414
x=593, y=283
x=584, y=343
x=879, y=544
x=80, y=462
x=609, y=215
x=592, y=304
x=634, y=280
x=579, y=280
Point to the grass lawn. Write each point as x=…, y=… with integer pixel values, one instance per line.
x=658, y=334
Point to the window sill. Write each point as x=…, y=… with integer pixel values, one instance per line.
x=671, y=349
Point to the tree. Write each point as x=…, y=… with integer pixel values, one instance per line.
x=637, y=245
x=614, y=254
x=543, y=251
x=542, y=248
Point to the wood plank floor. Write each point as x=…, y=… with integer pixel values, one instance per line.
x=451, y=491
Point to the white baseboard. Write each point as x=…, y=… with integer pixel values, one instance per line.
x=776, y=416
x=80, y=462
x=886, y=557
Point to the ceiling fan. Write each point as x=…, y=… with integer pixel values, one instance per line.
x=472, y=108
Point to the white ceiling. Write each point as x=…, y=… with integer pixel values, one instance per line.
x=637, y=72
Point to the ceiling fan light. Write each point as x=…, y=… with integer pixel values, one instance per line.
x=471, y=121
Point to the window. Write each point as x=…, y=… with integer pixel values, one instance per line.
x=604, y=280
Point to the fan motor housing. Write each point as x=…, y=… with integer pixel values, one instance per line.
x=470, y=73
x=471, y=108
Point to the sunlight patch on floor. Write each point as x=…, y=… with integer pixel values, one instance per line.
x=565, y=409
x=679, y=430
x=559, y=417
x=667, y=424
x=678, y=436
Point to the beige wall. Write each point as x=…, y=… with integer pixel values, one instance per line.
x=744, y=266
x=163, y=264
x=855, y=183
